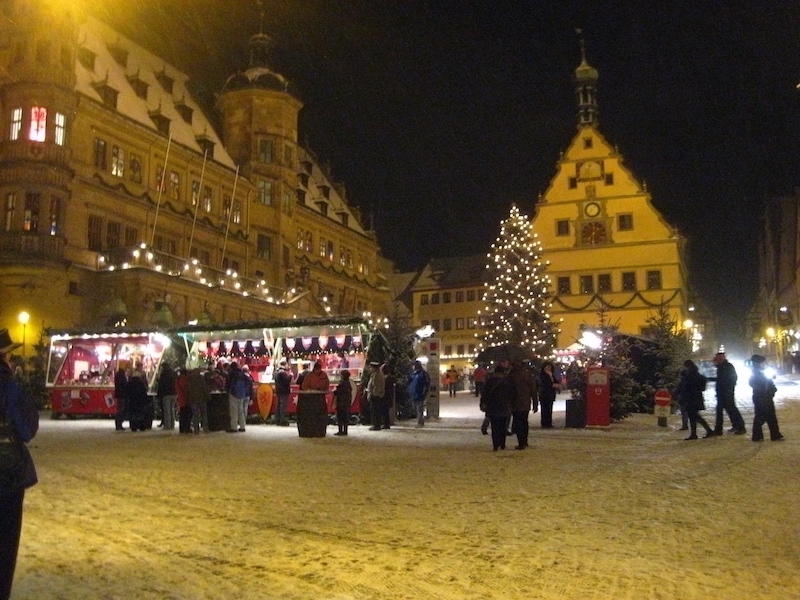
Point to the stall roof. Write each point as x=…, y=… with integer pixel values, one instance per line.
x=86, y=332
x=316, y=322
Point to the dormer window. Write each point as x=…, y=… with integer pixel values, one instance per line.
x=302, y=178
x=308, y=166
x=323, y=207
x=107, y=94
x=344, y=217
x=86, y=57
x=206, y=145
x=119, y=54
x=161, y=122
x=325, y=191
x=166, y=81
x=185, y=112
x=139, y=86
x=587, y=143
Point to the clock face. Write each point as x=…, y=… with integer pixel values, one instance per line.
x=594, y=233
x=592, y=209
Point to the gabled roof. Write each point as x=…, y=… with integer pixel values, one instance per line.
x=452, y=272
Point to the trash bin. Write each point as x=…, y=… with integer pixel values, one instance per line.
x=576, y=413
x=312, y=414
x=219, y=416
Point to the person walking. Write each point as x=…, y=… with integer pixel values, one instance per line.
x=198, y=396
x=726, y=400
x=763, y=393
x=524, y=399
x=283, y=389
x=498, y=396
x=167, y=396
x=182, y=402
x=120, y=385
x=19, y=422
x=451, y=377
x=376, y=390
x=138, y=402
x=344, y=398
x=690, y=397
x=418, y=388
x=237, y=389
x=548, y=387
x=479, y=379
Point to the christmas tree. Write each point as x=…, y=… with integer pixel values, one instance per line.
x=516, y=297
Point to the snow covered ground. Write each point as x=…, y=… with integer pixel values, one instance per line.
x=629, y=512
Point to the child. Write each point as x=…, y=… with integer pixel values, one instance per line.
x=344, y=396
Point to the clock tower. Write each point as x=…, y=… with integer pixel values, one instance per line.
x=609, y=247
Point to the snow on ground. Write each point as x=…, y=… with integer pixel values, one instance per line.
x=632, y=512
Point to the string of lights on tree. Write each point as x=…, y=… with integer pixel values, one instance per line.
x=516, y=294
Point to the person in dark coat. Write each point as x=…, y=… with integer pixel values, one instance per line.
x=763, y=393
x=19, y=422
x=344, y=398
x=120, y=385
x=498, y=395
x=524, y=398
x=283, y=390
x=548, y=387
x=182, y=400
x=690, y=397
x=167, y=396
x=138, y=402
x=197, y=392
x=726, y=401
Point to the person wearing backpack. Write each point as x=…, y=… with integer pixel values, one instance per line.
x=19, y=422
x=763, y=393
x=690, y=397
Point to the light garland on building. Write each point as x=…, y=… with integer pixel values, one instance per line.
x=516, y=296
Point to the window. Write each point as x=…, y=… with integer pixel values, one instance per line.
x=329, y=250
x=38, y=124
x=61, y=129
x=562, y=227
x=119, y=54
x=435, y=324
x=11, y=206
x=31, y=215
x=309, y=242
x=195, y=192
x=572, y=183
x=625, y=222
x=16, y=124
x=587, y=284
x=604, y=282
x=161, y=122
x=208, y=199
x=446, y=298
x=166, y=81
x=265, y=148
x=55, y=215
x=113, y=234
x=100, y=153
x=86, y=58
x=472, y=348
x=135, y=172
x=185, y=112
x=472, y=322
x=323, y=208
x=264, y=247
x=131, y=236
x=435, y=298
x=629, y=281
x=460, y=323
x=448, y=350
x=470, y=295
x=264, y=192
x=609, y=177
x=423, y=299
x=108, y=95
x=139, y=87
x=654, y=280
x=460, y=349
x=95, y=230
x=117, y=161
x=175, y=185
x=301, y=239
x=587, y=143
x=460, y=296
x=237, y=212
x=448, y=324
x=564, y=286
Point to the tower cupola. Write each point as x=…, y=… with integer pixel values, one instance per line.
x=586, y=77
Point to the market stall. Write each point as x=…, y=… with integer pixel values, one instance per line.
x=338, y=343
x=81, y=367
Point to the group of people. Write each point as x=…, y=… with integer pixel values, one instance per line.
x=509, y=393
x=690, y=390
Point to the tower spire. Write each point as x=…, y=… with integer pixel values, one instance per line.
x=260, y=43
x=586, y=77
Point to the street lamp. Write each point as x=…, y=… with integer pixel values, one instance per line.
x=23, y=317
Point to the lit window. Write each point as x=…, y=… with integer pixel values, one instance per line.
x=604, y=282
x=31, y=215
x=460, y=325
x=117, y=161
x=264, y=246
x=208, y=199
x=175, y=185
x=237, y=212
x=61, y=127
x=135, y=172
x=301, y=238
x=264, y=192
x=99, y=153
x=38, y=124
x=55, y=214
x=423, y=299
x=11, y=205
x=195, y=192
x=16, y=124
x=587, y=284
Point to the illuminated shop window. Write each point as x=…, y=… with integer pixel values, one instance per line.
x=117, y=161
x=61, y=129
x=16, y=124
x=38, y=124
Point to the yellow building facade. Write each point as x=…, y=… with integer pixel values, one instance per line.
x=121, y=203
x=609, y=249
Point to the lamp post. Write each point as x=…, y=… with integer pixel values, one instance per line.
x=23, y=317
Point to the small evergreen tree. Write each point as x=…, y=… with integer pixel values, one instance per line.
x=672, y=347
x=516, y=298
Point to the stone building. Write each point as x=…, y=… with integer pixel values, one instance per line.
x=122, y=204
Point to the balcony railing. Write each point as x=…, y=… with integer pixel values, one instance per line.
x=22, y=244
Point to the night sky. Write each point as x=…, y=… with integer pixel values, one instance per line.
x=438, y=115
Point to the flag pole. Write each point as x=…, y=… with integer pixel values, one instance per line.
x=161, y=189
x=230, y=213
x=197, y=205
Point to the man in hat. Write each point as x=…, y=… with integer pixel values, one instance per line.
x=376, y=390
x=19, y=421
x=725, y=387
x=418, y=389
x=763, y=392
x=283, y=389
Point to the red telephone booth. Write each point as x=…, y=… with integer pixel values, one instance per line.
x=598, y=397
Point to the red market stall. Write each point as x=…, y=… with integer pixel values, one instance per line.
x=81, y=367
x=338, y=343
